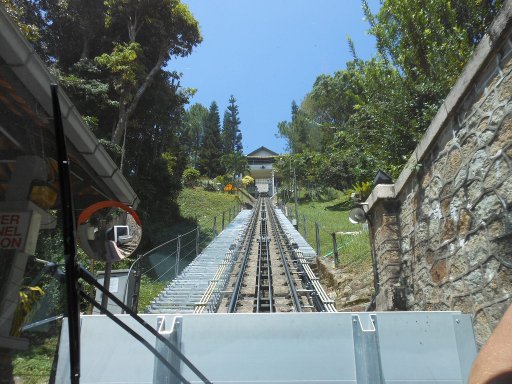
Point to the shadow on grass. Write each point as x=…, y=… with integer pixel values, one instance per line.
x=340, y=207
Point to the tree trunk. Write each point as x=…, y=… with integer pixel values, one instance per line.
x=122, y=122
x=125, y=113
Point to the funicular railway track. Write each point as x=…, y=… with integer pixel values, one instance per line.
x=271, y=274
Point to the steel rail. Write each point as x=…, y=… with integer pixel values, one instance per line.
x=279, y=235
x=269, y=277
x=249, y=237
x=266, y=243
x=318, y=297
x=259, y=278
x=264, y=266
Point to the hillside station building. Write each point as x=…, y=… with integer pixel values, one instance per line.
x=261, y=167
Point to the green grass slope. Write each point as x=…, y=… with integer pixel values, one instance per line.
x=203, y=206
x=353, y=240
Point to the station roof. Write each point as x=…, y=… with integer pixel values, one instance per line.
x=26, y=125
x=262, y=152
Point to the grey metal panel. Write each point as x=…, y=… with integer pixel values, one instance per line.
x=413, y=347
x=118, y=286
x=63, y=368
x=421, y=347
x=270, y=347
x=466, y=343
x=108, y=353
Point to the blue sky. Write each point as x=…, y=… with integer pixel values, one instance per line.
x=268, y=53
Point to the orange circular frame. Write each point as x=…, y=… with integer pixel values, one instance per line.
x=87, y=213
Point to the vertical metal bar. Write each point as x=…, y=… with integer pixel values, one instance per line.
x=69, y=241
x=136, y=289
x=366, y=348
x=229, y=215
x=178, y=251
x=214, y=225
x=335, y=249
x=304, y=225
x=317, y=235
x=223, y=214
x=197, y=240
x=106, y=284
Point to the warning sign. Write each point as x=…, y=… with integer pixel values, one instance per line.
x=13, y=229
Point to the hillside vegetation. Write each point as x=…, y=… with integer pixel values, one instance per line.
x=203, y=206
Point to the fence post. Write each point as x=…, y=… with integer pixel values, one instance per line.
x=197, y=241
x=229, y=215
x=136, y=288
x=214, y=226
x=304, y=225
x=335, y=249
x=223, y=214
x=178, y=251
x=106, y=285
x=317, y=236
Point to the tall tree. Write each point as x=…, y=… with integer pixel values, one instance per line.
x=429, y=42
x=302, y=132
x=75, y=30
x=235, y=164
x=231, y=135
x=27, y=16
x=371, y=114
x=149, y=32
x=194, y=127
x=110, y=57
x=211, y=148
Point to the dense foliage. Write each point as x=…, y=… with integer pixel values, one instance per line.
x=371, y=114
x=113, y=58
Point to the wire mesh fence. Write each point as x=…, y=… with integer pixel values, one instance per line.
x=347, y=247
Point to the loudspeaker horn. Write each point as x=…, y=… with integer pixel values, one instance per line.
x=357, y=216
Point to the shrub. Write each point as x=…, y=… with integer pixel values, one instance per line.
x=361, y=190
x=190, y=177
x=247, y=180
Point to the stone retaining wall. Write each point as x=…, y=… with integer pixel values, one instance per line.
x=442, y=234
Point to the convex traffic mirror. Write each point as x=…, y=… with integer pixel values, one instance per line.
x=109, y=231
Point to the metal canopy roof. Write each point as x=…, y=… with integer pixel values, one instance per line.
x=20, y=64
